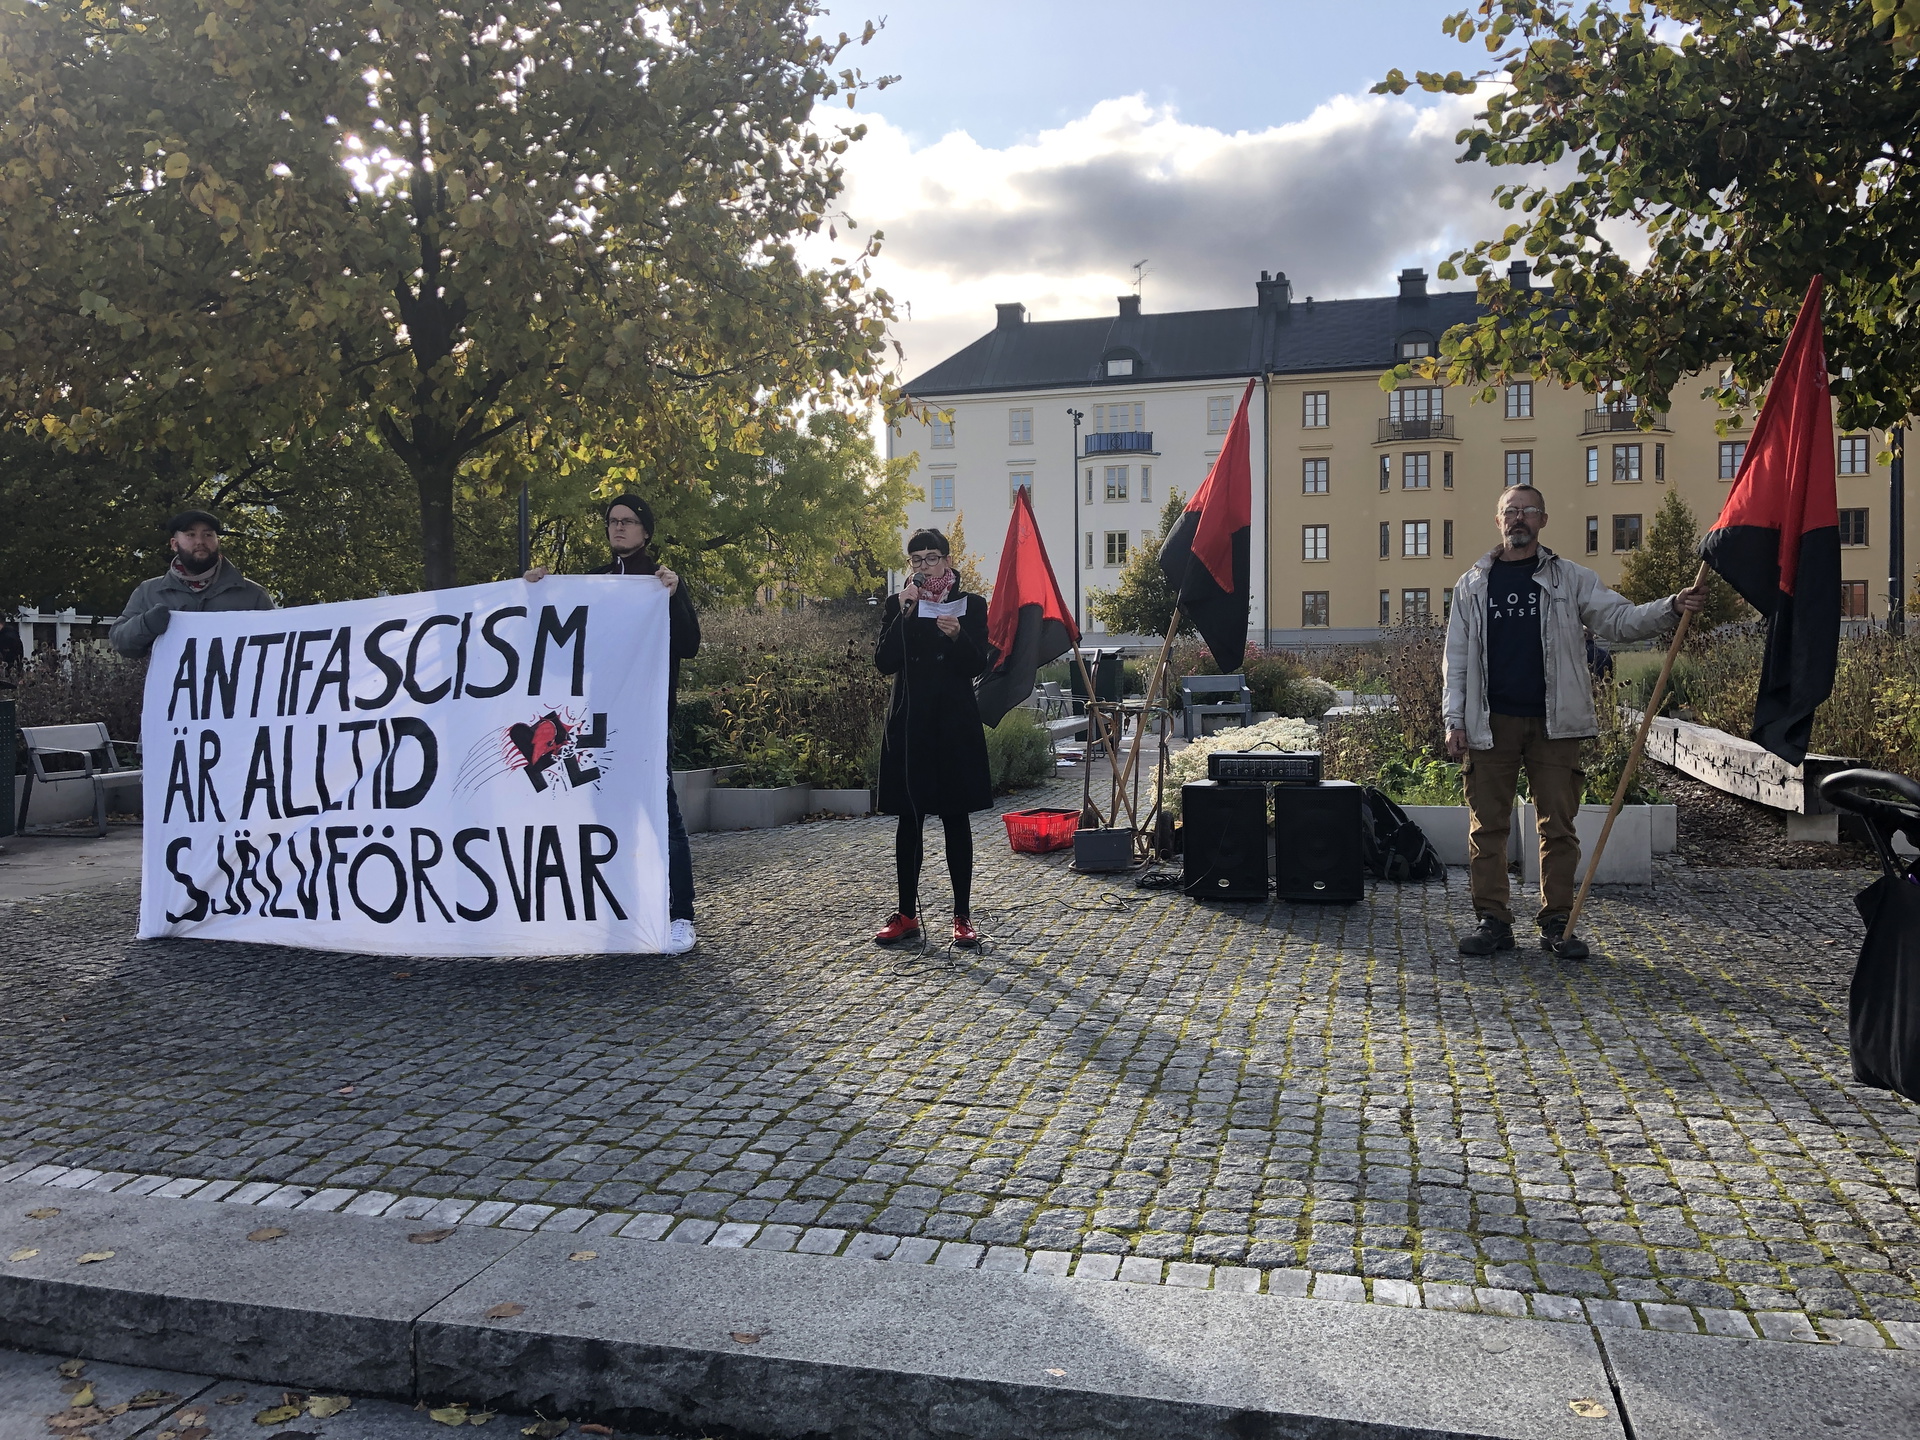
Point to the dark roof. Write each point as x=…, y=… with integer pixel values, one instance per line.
x=1196, y=344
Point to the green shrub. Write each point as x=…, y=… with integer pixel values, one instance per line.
x=89, y=683
x=774, y=762
x=1019, y=751
x=1306, y=699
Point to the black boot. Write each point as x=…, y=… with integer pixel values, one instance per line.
x=1491, y=935
x=1554, y=938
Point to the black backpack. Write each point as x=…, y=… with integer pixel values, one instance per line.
x=1392, y=846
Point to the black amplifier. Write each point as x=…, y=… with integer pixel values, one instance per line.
x=1264, y=767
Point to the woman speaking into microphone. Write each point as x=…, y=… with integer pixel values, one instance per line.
x=933, y=761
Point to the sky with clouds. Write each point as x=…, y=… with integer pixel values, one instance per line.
x=1034, y=151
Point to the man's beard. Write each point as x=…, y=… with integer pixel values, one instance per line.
x=1519, y=537
x=193, y=566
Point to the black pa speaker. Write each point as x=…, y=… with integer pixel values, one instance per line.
x=1317, y=842
x=1225, y=830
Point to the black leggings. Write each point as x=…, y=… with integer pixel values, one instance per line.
x=909, y=853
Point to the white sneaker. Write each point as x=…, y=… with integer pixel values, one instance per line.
x=682, y=938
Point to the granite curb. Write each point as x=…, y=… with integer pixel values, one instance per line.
x=715, y=1338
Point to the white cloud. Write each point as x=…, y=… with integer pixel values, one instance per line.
x=1340, y=201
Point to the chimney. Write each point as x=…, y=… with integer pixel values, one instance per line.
x=1275, y=293
x=1011, y=315
x=1413, y=285
x=1520, y=275
x=1129, y=307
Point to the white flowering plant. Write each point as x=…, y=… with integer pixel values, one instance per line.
x=1286, y=733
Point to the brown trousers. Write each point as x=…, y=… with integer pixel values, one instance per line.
x=1556, y=779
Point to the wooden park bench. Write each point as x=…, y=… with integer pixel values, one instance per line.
x=99, y=762
x=1205, y=695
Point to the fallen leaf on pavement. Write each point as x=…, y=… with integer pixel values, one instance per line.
x=480, y=1417
x=450, y=1414
x=277, y=1415
x=119, y=1409
x=323, y=1406
x=25, y=1252
x=745, y=1337
x=1056, y=1372
x=82, y=1397
x=71, y=1368
x=77, y=1419
x=196, y=1432
x=289, y=1435
x=505, y=1310
x=429, y=1237
x=45, y=1212
x=152, y=1399
x=1588, y=1409
x=266, y=1232
x=234, y=1399
x=190, y=1418
x=344, y=1090
x=596, y=1430
x=403, y=974
x=94, y=1255
x=168, y=1435
x=576, y=1255
x=545, y=1429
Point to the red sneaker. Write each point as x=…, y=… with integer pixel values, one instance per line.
x=900, y=927
x=965, y=936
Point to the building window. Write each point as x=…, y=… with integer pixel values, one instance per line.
x=1446, y=604
x=1149, y=539
x=1314, y=609
x=1146, y=482
x=1414, y=471
x=1116, y=477
x=1313, y=410
x=1016, y=482
x=1020, y=427
x=1386, y=607
x=1415, y=349
x=1416, y=606
x=1414, y=539
x=1593, y=464
x=1118, y=367
x=1089, y=549
x=1313, y=542
x=1386, y=539
x=1593, y=534
x=1128, y=418
x=1853, y=600
x=1417, y=403
x=1446, y=537
x=1853, y=527
x=1519, y=467
x=1446, y=470
x=1626, y=533
x=943, y=490
x=1733, y=454
x=1219, y=414
x=1853, y=454
x=1314, y=474
x=1520, y=400
x=1660, y=464
x=1116, y=547
x=1386, y=472
x=1089, y=493
x=942, y=434
x=1626, y=464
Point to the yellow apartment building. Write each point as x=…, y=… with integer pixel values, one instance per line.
x=1367, y=505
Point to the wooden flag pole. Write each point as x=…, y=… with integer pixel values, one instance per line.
x=1153, y=689
x=1097, y=722
x=1633, y=756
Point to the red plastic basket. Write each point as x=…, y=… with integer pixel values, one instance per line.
x=1034, y=832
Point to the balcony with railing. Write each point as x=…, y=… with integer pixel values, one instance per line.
x=1607, y=420
x=1433, y=427
x=1120, y=442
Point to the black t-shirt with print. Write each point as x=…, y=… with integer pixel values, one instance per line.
x=1516, y=669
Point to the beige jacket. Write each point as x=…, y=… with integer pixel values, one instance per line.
x=1572, y=601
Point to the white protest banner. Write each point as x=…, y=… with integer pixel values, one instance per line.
x=464, y=772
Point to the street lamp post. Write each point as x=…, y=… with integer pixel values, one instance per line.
x=1897, y=532
x=1073, y=476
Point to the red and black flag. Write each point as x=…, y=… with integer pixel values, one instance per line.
x=1028, y=623
x=1205, y=555
x=1777, y=540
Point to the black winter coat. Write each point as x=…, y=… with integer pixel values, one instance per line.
x=934, y=759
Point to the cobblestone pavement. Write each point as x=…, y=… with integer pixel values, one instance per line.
x=1120, y=1073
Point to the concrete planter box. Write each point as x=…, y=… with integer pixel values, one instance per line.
x=1629, y=857
x=693, y=789
x=1446, y=827
x=55, y=802
x=757, y=809
x=843, y=802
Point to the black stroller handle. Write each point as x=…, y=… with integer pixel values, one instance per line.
x=1885, y=818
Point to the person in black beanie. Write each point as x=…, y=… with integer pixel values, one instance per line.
x=630, y=537
x=933, y=760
